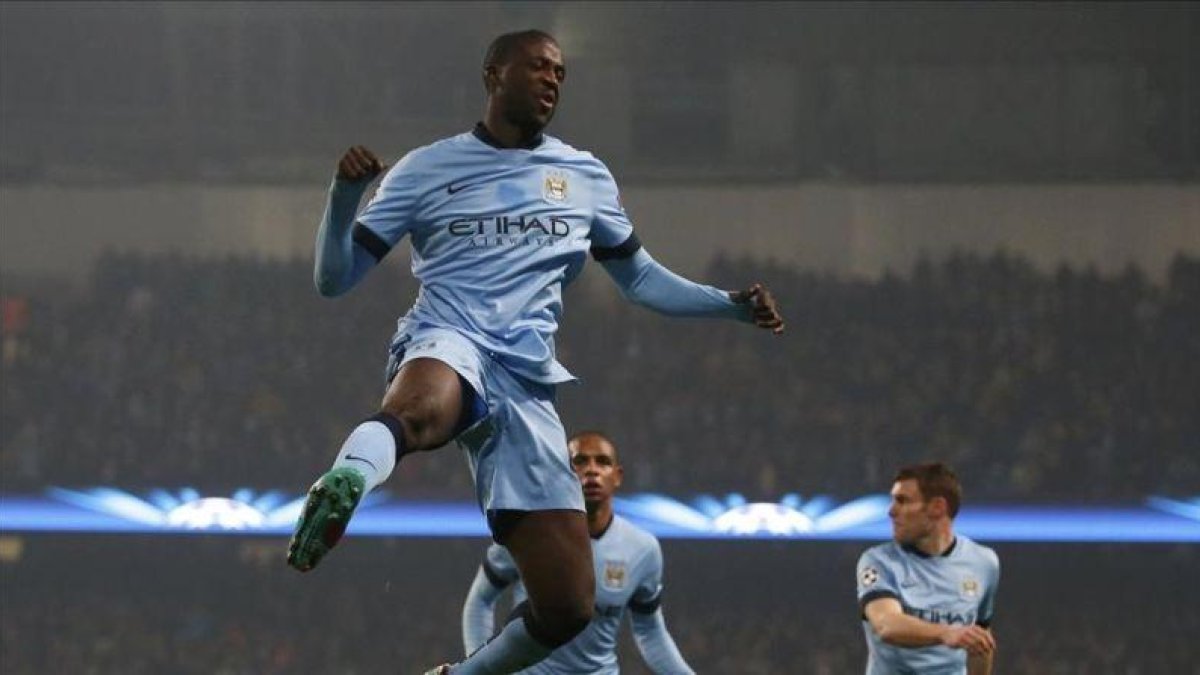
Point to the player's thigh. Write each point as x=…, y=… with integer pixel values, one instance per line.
x=426, y=396
x=554, y=555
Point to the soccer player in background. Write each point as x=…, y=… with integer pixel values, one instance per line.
x=500, y=219
x=927, y=596
x=628, y=567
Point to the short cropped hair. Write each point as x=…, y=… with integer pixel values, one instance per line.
x=502, y=48
x=579, y=436
x=934, y=479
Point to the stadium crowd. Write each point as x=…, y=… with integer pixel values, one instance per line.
x=225, y=606
x=172, y=371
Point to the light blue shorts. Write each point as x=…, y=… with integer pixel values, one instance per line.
x=517, y=450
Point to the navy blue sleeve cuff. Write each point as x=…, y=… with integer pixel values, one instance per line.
x=623, y=250
x=370, y=241
x=873, y=595
x=647, y=607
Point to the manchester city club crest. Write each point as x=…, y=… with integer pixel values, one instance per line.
x=554, y=189
x=614, y=574
x=970, y=588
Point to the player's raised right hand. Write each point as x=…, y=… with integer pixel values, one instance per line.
x=974, y=639
x=359, y=164
x=763, y=305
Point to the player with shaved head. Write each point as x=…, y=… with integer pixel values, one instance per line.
x=500, y=219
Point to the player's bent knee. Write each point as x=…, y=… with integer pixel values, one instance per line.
x=426, y=397
x=424, y=428
x=559, y=624
x=579, y=621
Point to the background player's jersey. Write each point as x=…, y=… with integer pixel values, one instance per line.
x=628, y=563
x=496, y=234
x=957, y=587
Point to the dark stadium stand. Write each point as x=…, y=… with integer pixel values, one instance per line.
x=221, y=374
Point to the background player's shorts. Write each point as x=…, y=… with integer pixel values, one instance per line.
x=517, y=450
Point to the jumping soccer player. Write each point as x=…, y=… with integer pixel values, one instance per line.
x=500, y=219
x=628, y=567
x=927, y=596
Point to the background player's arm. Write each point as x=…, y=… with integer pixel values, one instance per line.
x=479, y=610
x=496, y=574
x=980, y=664
x=646, y=617
x=893, y=626
x=655, y=643
x=340, y=261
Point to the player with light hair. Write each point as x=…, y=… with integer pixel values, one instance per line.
x=927, y=596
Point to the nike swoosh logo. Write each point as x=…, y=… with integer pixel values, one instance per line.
x=364, y=460
x=451, y=188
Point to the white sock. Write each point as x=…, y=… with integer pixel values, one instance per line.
x=371, y=450
x=512, y=650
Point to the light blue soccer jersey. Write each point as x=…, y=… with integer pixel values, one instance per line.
x=957, y=588
x=496, y=234
x=628, y=564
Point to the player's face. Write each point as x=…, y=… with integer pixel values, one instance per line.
x=528, y=85
x=595, y=462
x=911, y=519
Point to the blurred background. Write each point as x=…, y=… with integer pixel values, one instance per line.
x=982, y=221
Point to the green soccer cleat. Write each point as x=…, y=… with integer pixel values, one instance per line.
x=331, y=501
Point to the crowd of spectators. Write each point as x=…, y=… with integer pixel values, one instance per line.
x=1037, y=385
x=226, y=606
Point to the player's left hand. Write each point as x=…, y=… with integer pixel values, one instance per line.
x=763, y=306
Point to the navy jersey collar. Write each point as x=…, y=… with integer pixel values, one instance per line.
x=921, y=554
x=607, y=527
x=481, y=132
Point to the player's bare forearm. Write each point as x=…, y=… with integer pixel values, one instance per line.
x=893, y=626
x=902, y=630
x=979, y=664
x=913, y=632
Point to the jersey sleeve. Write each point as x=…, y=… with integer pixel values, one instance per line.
x=499, y=566
x=612, y=234
x=875, y=579
x=392, y=210
x=987, y=606
x=647, y=595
